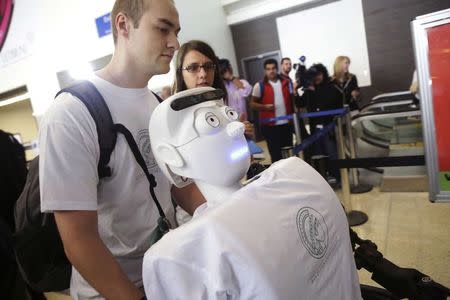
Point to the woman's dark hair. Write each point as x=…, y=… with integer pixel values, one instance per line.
x=320, y=68
x=224, y=65
x=205, y=49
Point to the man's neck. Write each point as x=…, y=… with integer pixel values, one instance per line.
x=274, y=80
x=284, y=74
x=123, y=73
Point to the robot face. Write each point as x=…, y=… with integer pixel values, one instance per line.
x=219, y=155
x=194, y=135
x=211, y=120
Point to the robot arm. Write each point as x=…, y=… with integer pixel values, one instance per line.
x=402, y=282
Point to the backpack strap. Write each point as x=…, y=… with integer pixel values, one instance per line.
x=261, y=88
x=140, y=160
x=158, y=97
x=97, y=107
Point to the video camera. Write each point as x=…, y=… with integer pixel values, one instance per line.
x=304, y=77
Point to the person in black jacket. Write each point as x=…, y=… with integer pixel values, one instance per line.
x=346, y=83
x=323, y=96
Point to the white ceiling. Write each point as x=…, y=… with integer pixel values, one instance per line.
x=239, y=11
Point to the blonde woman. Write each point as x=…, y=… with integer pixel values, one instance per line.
x=345, y=82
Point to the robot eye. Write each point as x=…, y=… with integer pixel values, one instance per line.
x=231, y=114
x=212, y=119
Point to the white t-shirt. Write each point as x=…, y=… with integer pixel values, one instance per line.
x=68, y=175
x=280, y=107
x=283, y=236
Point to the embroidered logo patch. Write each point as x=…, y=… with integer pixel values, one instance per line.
x=313, y=231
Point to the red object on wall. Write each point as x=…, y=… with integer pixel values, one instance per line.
x=6, y=9
x=439, y=59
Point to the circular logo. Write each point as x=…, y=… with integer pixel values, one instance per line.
x=313, y=231
x=6, y=9
x=143, y=141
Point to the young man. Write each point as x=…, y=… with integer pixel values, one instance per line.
x=286, y=67
x=105, y=224
x=274, y=100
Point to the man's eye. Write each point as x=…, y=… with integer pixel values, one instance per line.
x=163, y=30
x=212, y=119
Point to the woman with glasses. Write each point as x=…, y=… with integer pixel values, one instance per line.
x=197, y=66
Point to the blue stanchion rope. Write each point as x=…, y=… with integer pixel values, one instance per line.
x=331, y=112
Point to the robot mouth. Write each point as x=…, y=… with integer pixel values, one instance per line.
x=6, y=10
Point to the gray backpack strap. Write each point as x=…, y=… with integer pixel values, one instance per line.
x=97, y=107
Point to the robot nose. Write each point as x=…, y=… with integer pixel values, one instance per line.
x=235, y=129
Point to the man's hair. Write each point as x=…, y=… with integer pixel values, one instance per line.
x=270, y=61
x=283, y=59
x=133, y=9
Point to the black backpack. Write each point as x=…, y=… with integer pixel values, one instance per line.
x=38, y=247
x=13, y=173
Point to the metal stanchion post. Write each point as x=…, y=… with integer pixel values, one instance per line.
x=298, y=137
x=356, y=187
x=354, y=217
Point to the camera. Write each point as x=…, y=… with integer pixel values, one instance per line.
x=304, y=77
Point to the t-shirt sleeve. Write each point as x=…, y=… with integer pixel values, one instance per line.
x=165, y=278
x=256, y=90
x=246, y=90
x=68, y=157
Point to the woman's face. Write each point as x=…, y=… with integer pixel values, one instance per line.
x=198, y=70
x=345, y=65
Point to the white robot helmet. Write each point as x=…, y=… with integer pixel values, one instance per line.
x=176, y=126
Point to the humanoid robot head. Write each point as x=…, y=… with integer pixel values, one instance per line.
x=194, y=135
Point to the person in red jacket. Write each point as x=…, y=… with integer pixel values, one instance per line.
x=273, y=97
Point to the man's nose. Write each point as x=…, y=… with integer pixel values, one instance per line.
x=235, y=129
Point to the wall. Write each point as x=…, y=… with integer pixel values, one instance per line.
x=387, y=32
x=66, y=37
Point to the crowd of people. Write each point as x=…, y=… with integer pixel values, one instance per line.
x=275, y=95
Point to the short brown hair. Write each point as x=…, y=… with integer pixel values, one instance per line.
x=133, y=9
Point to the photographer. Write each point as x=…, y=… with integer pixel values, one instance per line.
x=320, y=95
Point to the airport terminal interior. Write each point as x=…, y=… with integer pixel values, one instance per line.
x=382, y=145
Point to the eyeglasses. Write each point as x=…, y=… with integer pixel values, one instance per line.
x=195, y=68
x=188, y=101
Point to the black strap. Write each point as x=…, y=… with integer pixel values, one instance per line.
x=97, y=107
x=158, y=97
x=140, y=160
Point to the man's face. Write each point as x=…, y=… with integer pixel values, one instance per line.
x=286, y=66
x=153, y=44
x=271, y=71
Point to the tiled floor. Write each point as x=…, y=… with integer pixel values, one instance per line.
x=409, y=230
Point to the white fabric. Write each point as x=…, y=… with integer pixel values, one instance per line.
x=283, y=236
x=69, y=157
x=280, y=107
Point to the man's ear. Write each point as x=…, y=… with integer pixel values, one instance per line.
x=169, y=155
x=121, y=23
